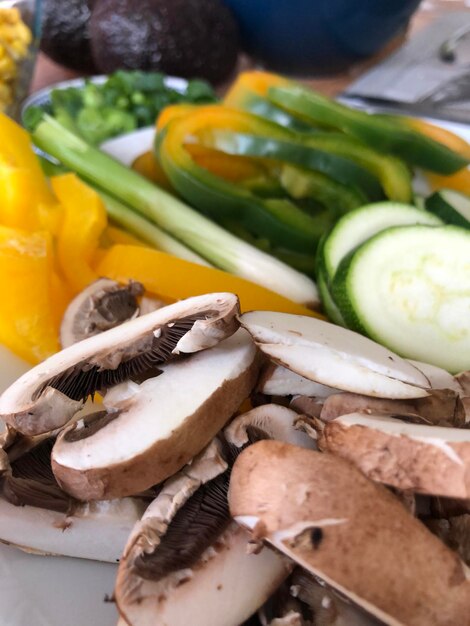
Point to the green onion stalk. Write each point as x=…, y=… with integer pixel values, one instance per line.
x=174, y=217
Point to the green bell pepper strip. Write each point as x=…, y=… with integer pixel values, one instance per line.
x=369, y=166
x=293, y=150
x=284, y=223
x=380, y=133
x=301, y=183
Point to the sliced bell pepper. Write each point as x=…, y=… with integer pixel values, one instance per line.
x=459, y=181
x=172, y=279
x=438, y=133
x=16, y=151
x=113, y=235
x=280, y=220
x=29, y=311
x=378, y=131
x=249, y=93
x=148, y=166
x=84, y=222
x=227, y=166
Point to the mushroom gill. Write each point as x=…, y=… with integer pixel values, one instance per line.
x=47, y=396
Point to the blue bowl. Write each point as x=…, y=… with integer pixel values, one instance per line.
x=318, y=36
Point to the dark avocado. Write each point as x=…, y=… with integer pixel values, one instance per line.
x=65, y=36
x=189, y=38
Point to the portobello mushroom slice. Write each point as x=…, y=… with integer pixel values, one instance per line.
x=430, y=460
x=102, y=305
x=441, y=407
x=186, y=559
x=151, y=430
x=50, y=394
x=334, y=356
x=353, y=534
x=37, y=516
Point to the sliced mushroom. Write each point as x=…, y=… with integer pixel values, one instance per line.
x=341, y=527
x=306, y=406
x=426, y=459
x=47, y=396
x=187, y=561
x=102, y=305
x=37, y=516
x=150, y=431
x=276, y=380
x=269, y=421
x=464, y=381
x=441, y=407
x=334, y=356
x=438, y=378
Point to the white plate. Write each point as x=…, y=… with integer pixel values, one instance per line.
x=59, y=591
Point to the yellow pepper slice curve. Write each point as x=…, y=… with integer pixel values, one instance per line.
x=83, y=224
x=172, y=279
x=29, y=313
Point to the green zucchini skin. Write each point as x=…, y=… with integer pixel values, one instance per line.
x=451, y=206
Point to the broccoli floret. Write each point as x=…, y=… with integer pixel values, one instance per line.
x=97, y=125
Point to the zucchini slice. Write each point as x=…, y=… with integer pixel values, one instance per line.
x=451, y=206
x=409, y=289
x=360, y=224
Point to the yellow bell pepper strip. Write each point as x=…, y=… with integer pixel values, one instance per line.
x=459, y=181
x=113, y=235
x=375, y=130
x=232, y=168
x=172, y=112
x=18, y=201
x=172, y=279
x=16, y=151
x=84, y=222
x=148, y=166
x=28, y=310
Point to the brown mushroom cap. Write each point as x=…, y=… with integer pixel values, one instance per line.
x=337, y=524
x=426, y=459
x=175, y=569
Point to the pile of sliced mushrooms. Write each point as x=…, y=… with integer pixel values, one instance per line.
x=258, y=469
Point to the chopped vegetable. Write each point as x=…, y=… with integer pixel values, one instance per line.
x=383, y=133
x=172, y=279
x=83, y=225
x=451, y=206
x=176, y=218
x=28, y=321
x=126, y=100
x=409, y=288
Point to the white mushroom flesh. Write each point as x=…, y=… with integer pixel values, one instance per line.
x=334, y=356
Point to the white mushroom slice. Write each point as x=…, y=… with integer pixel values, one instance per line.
x=97, y=531
x=47, y=396
x=438, y=378
x=151, y=430
x=276, y=380
x=102, y=305
x=426, y=459
x=334, y=356
x=186, y=561
x=37, y=516
x=268, y=421
x=352, y=533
